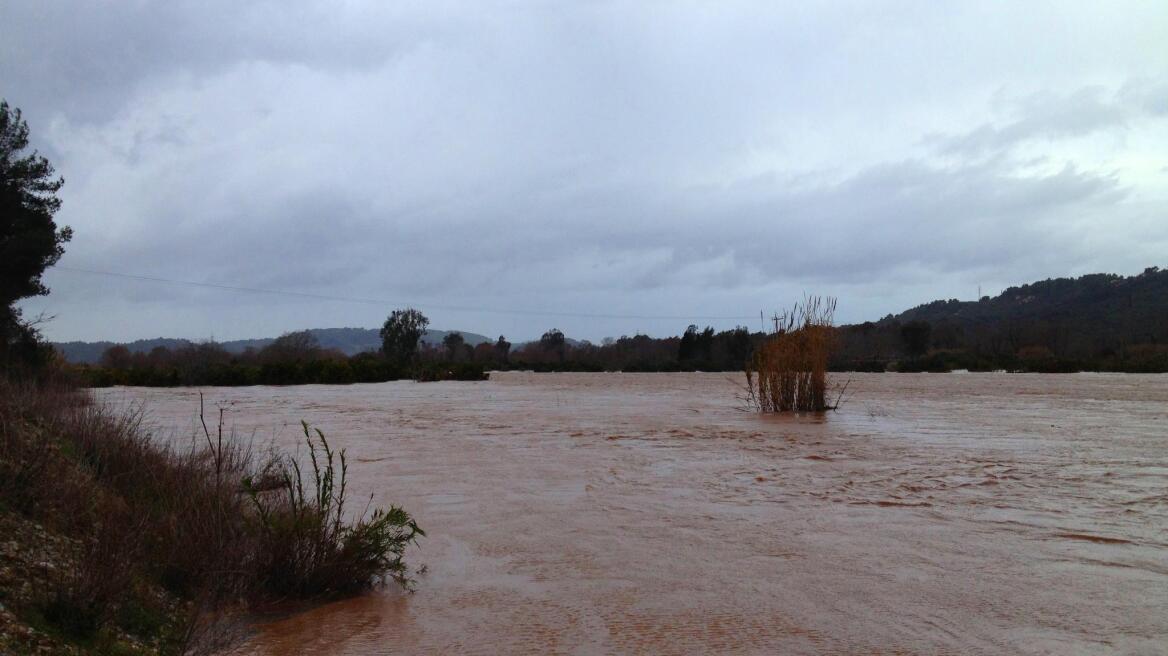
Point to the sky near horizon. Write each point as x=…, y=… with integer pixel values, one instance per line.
x=604, y=168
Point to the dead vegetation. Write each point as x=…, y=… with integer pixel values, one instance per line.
x=788, y=372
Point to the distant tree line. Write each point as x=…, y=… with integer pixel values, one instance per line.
x=297, y=358
x=694, y=350
x=1092, y=323
x=292, y=359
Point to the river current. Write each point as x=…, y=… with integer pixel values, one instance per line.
x=651, y=514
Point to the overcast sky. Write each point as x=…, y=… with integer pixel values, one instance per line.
x=604, y=168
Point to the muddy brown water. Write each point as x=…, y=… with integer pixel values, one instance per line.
x=646, y=513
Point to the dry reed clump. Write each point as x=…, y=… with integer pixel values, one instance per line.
x=178, y=535
x=788, y=372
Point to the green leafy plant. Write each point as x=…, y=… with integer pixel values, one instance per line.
x=306, y=546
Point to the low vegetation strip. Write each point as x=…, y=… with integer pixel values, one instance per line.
x=118, y=543
x=293, y=359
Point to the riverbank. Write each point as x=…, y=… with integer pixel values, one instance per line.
x=117, y=542
x=62, y=587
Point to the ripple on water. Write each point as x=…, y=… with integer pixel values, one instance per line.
x=646, y=513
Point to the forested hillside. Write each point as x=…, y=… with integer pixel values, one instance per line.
x=1097, y=321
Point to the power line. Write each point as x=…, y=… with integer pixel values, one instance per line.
x=385, y=302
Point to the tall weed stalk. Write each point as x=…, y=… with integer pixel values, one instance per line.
x=307, y=548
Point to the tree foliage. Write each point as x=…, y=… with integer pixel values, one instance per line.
x=502, y=349
x=916, y=337
x=696, y=345
x=30, y=240
x=400, y=335
x=299, y=346
x=553, y=342
x=455, y=344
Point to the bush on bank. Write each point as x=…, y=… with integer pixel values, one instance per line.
x=136, y=546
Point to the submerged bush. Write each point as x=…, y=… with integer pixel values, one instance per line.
x=788, y=372
x=306, y=548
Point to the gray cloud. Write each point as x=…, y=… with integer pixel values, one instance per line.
x=1050, y=116
x=86, y=59
x=592, y=159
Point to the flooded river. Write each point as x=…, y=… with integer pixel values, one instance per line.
x=647, y=513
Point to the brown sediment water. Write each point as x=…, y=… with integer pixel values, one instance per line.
x=647, y=513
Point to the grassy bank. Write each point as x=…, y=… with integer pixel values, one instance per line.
x=115, y=542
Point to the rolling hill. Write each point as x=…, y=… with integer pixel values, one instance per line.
x=349, y=341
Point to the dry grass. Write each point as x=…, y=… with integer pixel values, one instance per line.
x=789, y=371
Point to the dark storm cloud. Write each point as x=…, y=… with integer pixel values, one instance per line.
x=87, y=58
x=593, y=158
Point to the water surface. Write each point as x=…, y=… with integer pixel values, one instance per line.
x=647, y=513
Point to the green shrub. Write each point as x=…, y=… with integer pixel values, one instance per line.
x=306, y=548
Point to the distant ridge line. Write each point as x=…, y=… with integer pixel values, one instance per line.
x=349, y=341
